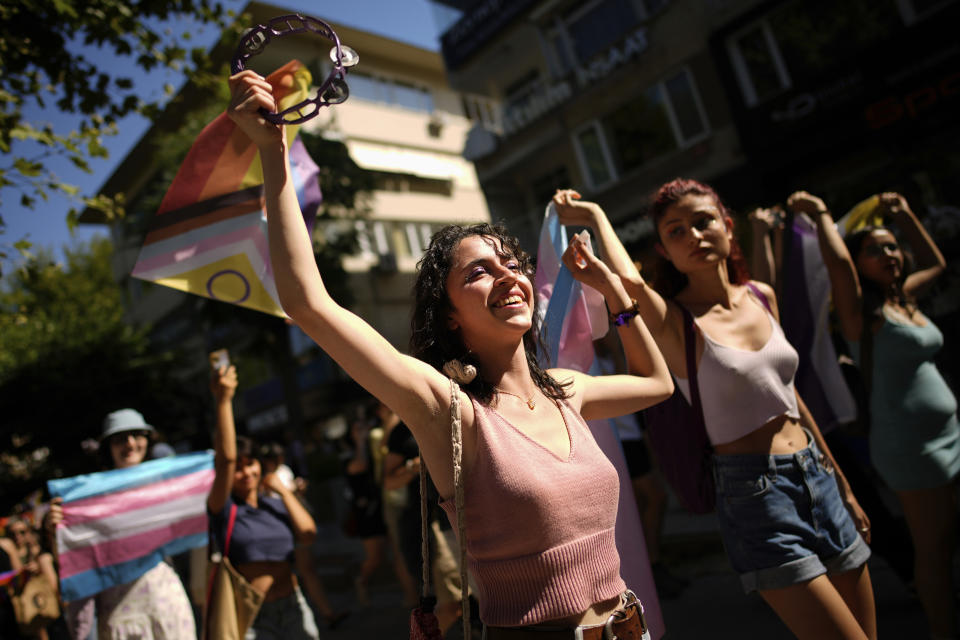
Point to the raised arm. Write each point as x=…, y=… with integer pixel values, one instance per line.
x=419, y=394
x=662, y=319
x=304, y=528
x=930, y=263
x=649, y=381
x=223, y=385
x=762, y=263
x=844, y=283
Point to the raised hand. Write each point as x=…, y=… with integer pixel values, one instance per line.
x=573, y=211
x=803, y=202
x=273, y=482
x=585, y=266
x=767, y=218
x=893, y=204
x=249, y=92
x=223, y=383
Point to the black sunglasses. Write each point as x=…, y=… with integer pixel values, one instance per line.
x=120, y=438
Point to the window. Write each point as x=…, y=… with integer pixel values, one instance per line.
x=586, y=30
x=394, y=92
x=598, y=26
x=757, y=63
x=594, y=156
x=641, y=130
x=667, y=116
x=426, y=233
x=399, y=241
x=688, y=116
x=363, y=240
x=409, y=183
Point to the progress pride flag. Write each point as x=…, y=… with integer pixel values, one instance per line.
x=119, y=524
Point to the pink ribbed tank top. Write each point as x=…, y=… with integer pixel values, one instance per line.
x=540, y=529
x=742, y=390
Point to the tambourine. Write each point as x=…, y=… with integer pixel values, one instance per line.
x=334, y=89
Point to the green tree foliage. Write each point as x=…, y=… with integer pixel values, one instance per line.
x=43, y=71
x=67, y=358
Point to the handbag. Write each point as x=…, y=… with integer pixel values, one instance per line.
x=35, y=605
x=678, y=436
x=423, y=621
x=232, y=602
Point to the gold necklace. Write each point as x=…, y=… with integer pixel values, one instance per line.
x=531, y=404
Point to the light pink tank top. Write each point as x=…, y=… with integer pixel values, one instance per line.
x=540, y=529
x=741, y=390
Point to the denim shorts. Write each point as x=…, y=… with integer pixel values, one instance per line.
x=288, y=618
x=782, y=519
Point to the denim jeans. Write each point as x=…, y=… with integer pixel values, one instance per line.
x=288, y=618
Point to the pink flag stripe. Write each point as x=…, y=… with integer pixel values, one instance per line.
x=121, y=550
x=113, y=504
x=188, y=249
x=128, y=523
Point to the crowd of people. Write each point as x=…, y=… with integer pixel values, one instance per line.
x=516, y=478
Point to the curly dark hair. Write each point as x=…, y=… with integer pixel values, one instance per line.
x=432, y=340
x=669, y=280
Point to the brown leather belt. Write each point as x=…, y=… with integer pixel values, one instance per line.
x=624, y=624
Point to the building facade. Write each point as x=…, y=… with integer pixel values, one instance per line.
x=757, y=97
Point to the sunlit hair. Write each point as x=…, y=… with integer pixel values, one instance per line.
x=431, y=338
x=669, y=281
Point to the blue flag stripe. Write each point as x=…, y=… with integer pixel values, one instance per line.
x=91, y=582
x=102, y=482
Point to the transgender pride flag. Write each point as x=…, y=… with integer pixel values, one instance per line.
x=572, y=317
x=119, y=524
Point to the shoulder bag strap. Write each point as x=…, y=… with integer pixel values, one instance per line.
x=230, y=521
x=213, y=574
x=456, y=442
x=690, y=346
x=760, y=296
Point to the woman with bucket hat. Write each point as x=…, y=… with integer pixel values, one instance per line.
x=155, y=605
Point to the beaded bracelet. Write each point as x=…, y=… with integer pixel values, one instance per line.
x=626, y=315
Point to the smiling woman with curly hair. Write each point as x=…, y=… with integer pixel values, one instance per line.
x=541, y=498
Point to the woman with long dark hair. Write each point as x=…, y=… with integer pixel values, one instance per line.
x=914, y=433
x=782, y=503
x=540, y=497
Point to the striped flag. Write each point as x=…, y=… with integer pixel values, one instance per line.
x=864, y=213
x=805, y=317
x=119, y=524
x=571, y=318
x=209, y=236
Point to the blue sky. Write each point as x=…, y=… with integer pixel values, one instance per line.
x=412, y=21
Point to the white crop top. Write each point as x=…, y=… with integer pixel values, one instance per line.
x=742, y=390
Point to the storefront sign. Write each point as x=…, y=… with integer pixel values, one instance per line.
x=518, y=115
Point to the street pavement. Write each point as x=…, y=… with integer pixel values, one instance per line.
x=712, y=606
